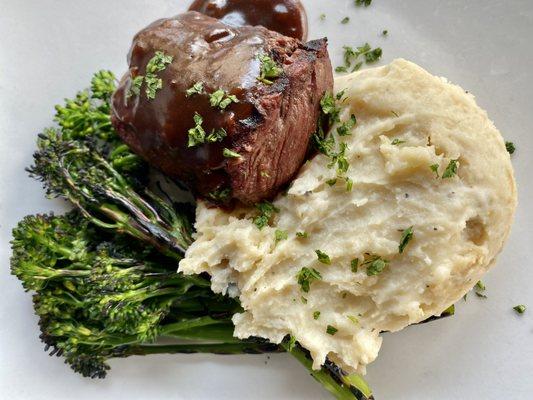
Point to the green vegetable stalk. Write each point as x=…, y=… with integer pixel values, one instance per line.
x=98, y=294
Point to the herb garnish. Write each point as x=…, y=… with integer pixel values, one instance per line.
x=354, y=264
x=374, y=264
x=281, y=235
x=331, y=330
x=329, y=106
x=352, y=55
x=197, y=134
x=267, y=210
x=353, y=318
x=221, y=99
x=306, y=276
x=407, y=235
x=197, y=88
x=323, y=257
x=303, y=235
x=349, y=184
x=479, y=289
x=346, y=127
x=345, y=20
x=156, y=64
x=269, y=69
x=216, y=135
x=397, y=142
x=435, y=169
x=316, y=315
x=385, y=32
x=511, y=148
x=520, y=309
x=136, y=85
x=451, y=170
x=322, y=17
x=230, y=153
x=365, y=3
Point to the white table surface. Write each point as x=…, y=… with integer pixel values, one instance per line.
x=50, y=48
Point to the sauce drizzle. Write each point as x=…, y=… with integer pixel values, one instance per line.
x=287, y=17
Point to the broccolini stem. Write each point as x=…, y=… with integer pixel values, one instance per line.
x=337, y=387
x=210, y=348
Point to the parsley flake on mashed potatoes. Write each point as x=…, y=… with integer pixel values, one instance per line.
x=422, y=155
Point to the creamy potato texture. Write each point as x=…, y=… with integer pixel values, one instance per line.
x=407, y=121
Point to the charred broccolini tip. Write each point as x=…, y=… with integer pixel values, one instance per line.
x=85, y=162
x=99, y=298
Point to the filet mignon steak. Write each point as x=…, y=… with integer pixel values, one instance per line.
x=193, y=104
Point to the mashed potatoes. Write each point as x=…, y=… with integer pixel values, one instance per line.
x=412, y=128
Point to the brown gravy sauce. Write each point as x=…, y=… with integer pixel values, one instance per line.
x=287, y=17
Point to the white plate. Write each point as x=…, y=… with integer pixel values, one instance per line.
x=50, y=48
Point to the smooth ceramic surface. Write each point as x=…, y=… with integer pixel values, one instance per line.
x=50, y=48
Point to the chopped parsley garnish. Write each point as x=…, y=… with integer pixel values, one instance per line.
x=230, y=153
x=323, y=257
x=479, y=289
x=451, y=170
x=153, y=84
x=157, y=63
x=397, y=142
x=221, y=99
x=385, y=32
x=511, y=148
x=281, y=235
x=407, y=235
x=220, y=195
x=349, y=184
x=520, y=309
x=266, y=210
x=322, y=17
x=303, y=235
x=346, y=127
x=216, y=135
x=331, y=330
x=269, y=69
x=365, y=3
x=197, y=134
x=375, y=265
x=435, y=169
x=306, y=277
x=345, y=20
x=304, y=300
x=353, y=319
x=316, y=315
x=341, y=68
x=329, y=107
x=354, y=264
x=357, y=66
x=339, y=158
x=352, y=56
x=324, y=145
x=197, y=88
x=136, y=85
x=332, y=182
